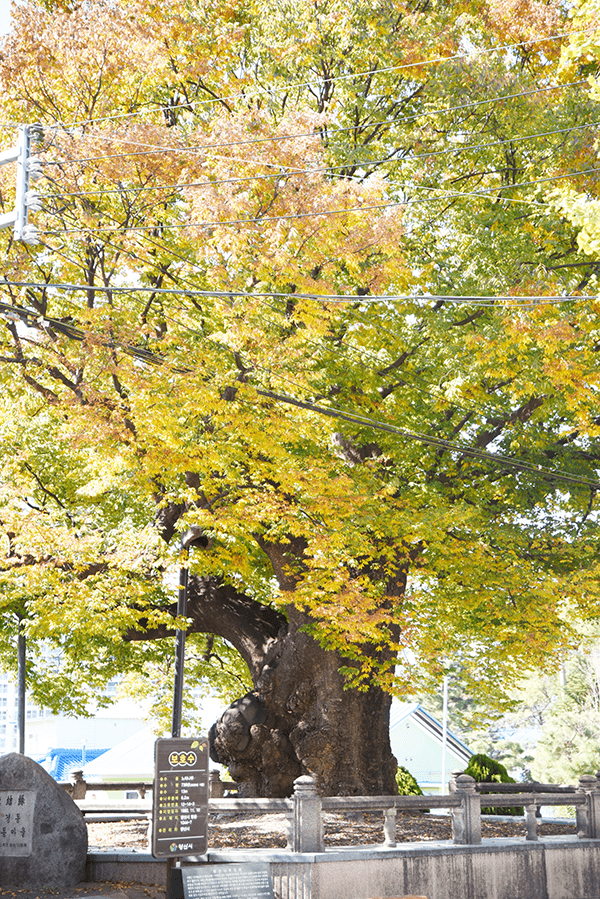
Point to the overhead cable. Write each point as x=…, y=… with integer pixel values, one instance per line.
x=472, y=452
x=334, y=298
x=284, y=173
x=333, y=79
x=498, y=460
x=261, y=220
x=32, y=317
x=224, y=296
x=524, y=301
x=194, y=331
x=314, y=133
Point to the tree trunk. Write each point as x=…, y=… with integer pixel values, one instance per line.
x=299, y=719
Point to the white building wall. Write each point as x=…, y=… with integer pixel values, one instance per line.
x=45, y=731
x=9, y=739
x=422, y=754
x=73, y=733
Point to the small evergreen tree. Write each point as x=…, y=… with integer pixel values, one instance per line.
x=407, y=785
x=486, y=770
x=569, y=743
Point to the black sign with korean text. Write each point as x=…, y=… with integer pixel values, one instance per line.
x=244, y=881
x=180, y=800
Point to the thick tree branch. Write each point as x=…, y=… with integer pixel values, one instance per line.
x=522, y=414
x=218, y=608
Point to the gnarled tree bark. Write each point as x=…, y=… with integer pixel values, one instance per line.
x=299, y=718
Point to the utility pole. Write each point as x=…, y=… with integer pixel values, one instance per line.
x=191, y=537
x=29, y=169
x=444, y=788
x=21, y=685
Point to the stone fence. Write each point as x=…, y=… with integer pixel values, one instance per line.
x=304, y=809
x=78, y=788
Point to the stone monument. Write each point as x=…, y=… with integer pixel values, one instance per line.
x=43, y=837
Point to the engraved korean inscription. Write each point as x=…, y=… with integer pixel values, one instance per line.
x=180, y=808
x=241, y=881
x=16, y=822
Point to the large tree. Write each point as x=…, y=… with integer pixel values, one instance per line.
x=278, y=297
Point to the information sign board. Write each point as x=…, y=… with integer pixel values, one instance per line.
x=245, y=881
x=180, y=797
x=16, y=822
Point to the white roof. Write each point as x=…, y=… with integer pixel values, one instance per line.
x=400, y=711
x=133, y=758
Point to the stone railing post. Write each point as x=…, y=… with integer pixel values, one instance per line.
x=79, y=785
x=531, y=822
x=216, y=785
x=466, y=820
x=289, y=830
x=452, y=781
x=389, y=827
x=588, y=816
x=308, y=824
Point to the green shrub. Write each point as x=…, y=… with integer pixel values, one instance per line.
x=407, y=785
x=486, y=770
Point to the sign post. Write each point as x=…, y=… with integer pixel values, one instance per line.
x=180, y=797
x=180, y=827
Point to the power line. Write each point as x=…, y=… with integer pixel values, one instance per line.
x=147, y=238
x=315, y=134
x=524, y=301
x=223, y=223
x=290, y=216
x=498, y=460
x=347, y=348
x=515, y=301
x=32, y=317
x=359, y=352
x=335, y=298
x=334, y=78
x=287, y=173
x=483, y=455
x=261, y=220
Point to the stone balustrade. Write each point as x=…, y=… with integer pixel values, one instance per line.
x=78, y=788
x=304, y=810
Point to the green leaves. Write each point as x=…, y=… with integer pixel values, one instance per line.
x=353, y=225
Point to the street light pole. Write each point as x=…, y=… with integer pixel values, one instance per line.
x=191, y=537
x=180, y=646
x=21, y=686
x=444, y=733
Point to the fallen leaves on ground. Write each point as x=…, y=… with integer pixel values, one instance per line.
x=268, y=831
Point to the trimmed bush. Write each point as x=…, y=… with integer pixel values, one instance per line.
x=407, y=785
x=486, y=770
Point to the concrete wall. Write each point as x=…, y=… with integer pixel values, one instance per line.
x=554, y=868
